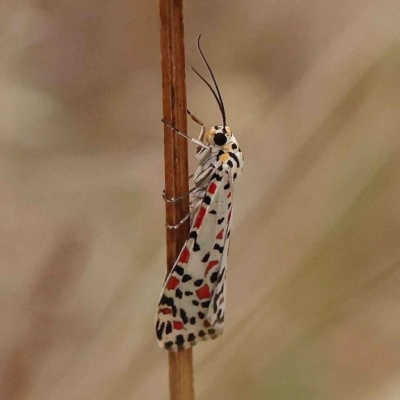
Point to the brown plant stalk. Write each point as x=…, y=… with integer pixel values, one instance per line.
x=176, y=167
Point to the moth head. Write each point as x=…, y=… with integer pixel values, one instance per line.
x=219, y=135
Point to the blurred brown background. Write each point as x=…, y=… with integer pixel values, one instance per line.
x=312, y=92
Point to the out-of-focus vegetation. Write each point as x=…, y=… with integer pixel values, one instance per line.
x=312, y=92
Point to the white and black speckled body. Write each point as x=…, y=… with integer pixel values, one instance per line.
x=192, y=302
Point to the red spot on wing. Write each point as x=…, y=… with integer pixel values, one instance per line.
x=166, y=311
x=212, y=188
x=184, y=258
x=203, y=292
x=178, y=325
x=220, y=234
x=211, y=264
x=200, y=217
x=172, y=283
x=206, y=323
x=229, y=195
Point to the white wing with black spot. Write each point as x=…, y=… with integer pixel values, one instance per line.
x=192, y=302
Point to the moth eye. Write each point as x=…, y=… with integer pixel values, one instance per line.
x=220, y=139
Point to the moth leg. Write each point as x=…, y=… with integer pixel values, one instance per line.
x=175, y=199
x=172, y=199
x=203, y=127
x=179, y=223
x=185, y=136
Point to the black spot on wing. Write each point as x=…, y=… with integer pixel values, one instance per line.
x=201, y=315
x=216, y=176
x=218, y=247
x=227, y=186
x=230, y=163
x=234, y=176
x=179, y=270
x=192, y=320
x=206, y=257
x=221, y=220
x=221, y=275
x=198, y=283
x=191, y=337
x=179, y=340
x=160, y=331
x=196, y=246
x=213, y=212
x=193, y=235
x=168, y=328
x=186, y=278
x=183, y=315
x=205, y=304
x=207, y=200
x=214, y=276
x=178, y=293
x=234, y=146
x=195, y=303
x=169, y=301
x=188, y=293
x=168, y=345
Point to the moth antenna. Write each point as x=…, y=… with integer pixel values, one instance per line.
x=212, y=91
x=217, y=97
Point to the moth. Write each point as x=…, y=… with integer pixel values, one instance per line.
x=192, y=302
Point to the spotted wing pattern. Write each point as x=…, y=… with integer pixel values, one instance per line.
x=192, y=302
